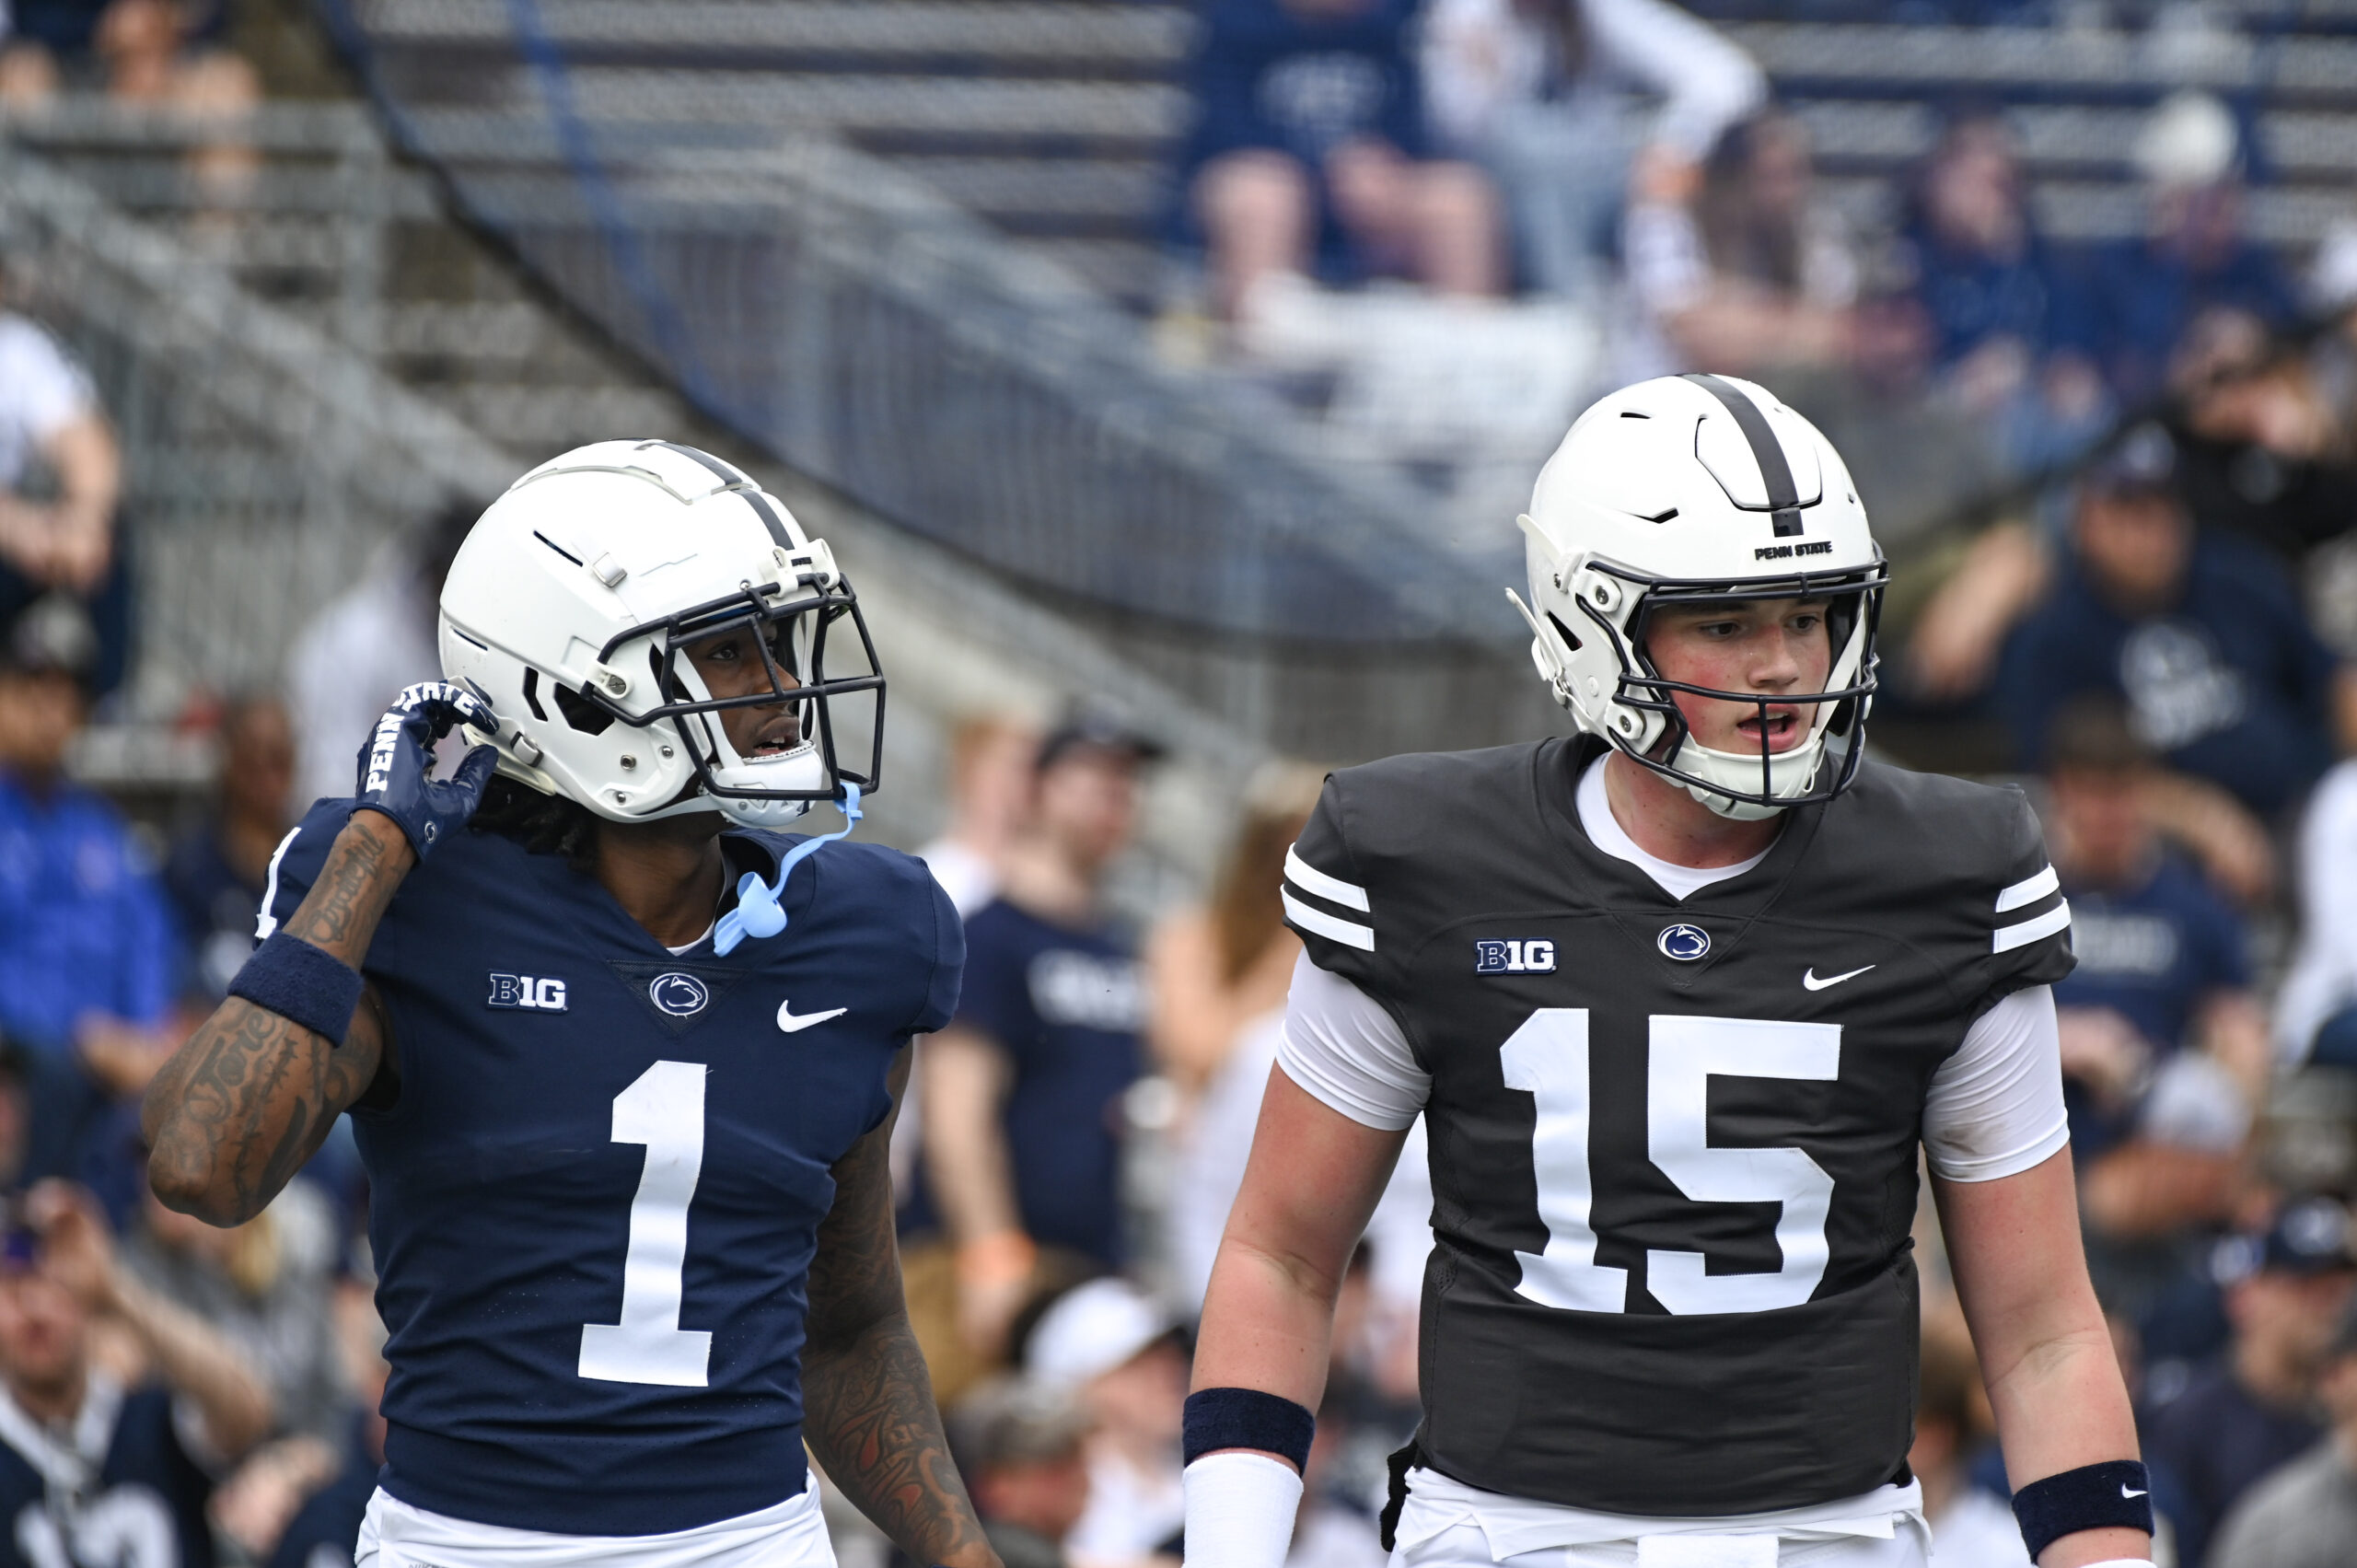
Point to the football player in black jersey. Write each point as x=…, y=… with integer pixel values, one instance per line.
x=1680, y=998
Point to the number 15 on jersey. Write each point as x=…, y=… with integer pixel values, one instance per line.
x=1547, y=1058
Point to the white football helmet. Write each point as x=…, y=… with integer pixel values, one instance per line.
x=569, y=606
x=1699, y=490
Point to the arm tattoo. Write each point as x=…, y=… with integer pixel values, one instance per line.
x=239, y=1109
x=867, y=1398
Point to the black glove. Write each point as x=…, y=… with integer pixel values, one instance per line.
x=397, y=762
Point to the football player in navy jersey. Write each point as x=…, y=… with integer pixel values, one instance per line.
x=1681, y=1000
x=620, y=1057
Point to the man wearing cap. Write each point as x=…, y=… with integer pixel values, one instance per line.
x=2241, y=1417
x=1114, y=1351
x=2201, y=636
x=94, y=1474
x=1022, y=1091
x=2305, y=1515
x=1020, y=1446
x=88, y=963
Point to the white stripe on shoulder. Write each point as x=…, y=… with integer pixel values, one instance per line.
x=267, y=922
x=1328, y=926
x=2008, y=937
x=1332, y=888
x=2028, y=891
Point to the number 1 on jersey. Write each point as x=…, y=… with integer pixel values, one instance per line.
x=663, y=1111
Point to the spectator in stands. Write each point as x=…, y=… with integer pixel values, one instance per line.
x=2165, y=1050
x=216, y=874
x=144, y=1453
x=1542, y=93
x=265, y=1287
x=1118, y=1354
x=1023, y=1090
x=2318, y=996
x=88, y=956
x=363, y=646
x=2264, y=455
x=1971, y=1527
x=2141, y=294
x=1309, y=153
x=2239, y=1418
x=154, y=53
x=990, y=794
x=1753, y=275
x=1213, y=970
x=1990, y=288
x=50, y=419
x=1021, y=1447
x=2200, y=636
x=2305, y=1515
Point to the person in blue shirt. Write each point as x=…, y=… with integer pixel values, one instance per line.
x=2202, y=637
x=1024, y=1118
x=94, y=1472
x=86, y=943
x=620, y=1056
x=1309, y=153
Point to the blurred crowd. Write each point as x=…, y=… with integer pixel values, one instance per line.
x=2157, y=640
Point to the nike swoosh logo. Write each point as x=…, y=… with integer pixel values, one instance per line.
x=2125, y=1493
x=794, y=1022
x=1810, y=979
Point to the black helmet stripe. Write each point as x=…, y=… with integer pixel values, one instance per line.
x=768, y=513
x=1784, y=495
x=738, y=481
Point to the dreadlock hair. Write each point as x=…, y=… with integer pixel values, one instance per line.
x=543, y=824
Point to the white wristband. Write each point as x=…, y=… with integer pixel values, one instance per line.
x=1240, y=1511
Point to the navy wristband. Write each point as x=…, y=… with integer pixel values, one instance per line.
x=1247, y=1418
x=2114, y=1494
x=302, y=984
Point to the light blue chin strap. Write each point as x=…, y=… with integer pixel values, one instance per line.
x=760, y=906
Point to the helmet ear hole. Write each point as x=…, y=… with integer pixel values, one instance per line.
x=580, y=712
x=1571, y=638
x=532, y=694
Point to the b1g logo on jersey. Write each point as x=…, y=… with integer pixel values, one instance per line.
x=524, y=990
x=1508, y=956
x=682, y=996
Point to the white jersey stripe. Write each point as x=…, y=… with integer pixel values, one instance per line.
x=1328, y=926
x=1332, y=888
x=2028, y=891
x=2008, y=937
x=266, y=922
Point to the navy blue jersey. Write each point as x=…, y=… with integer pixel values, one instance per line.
x=1066, y=1007
x=594, y=1201
x=119, y=1490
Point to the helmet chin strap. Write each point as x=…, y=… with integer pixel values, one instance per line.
x=761, y=908
x=1795, y=769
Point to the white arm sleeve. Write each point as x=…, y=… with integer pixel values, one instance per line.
x=1995, y=1107
x=1706, y=82
x=1344, y=1049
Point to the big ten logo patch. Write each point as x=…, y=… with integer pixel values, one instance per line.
x=1529, y=955
x=525, y=992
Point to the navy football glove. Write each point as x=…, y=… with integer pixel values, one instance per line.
x=397, y=762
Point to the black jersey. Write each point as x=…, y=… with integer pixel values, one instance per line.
x=1673, y=1143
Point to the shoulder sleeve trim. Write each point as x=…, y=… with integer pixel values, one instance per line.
x=1333, y=929
x=266, y=924
x=1333, y=889
x=2028, y=891
x=2008, y=937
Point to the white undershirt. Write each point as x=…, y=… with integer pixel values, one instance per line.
x=1605, y=832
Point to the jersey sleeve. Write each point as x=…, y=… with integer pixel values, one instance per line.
x=948, y=963
x=1348, y=1053
x=1326, y=899
x=2029, y=919
x=1995, y=1107
x=296, y=864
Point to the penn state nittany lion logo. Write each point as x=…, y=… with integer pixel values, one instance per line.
x=682, y=996
x=1683, y=942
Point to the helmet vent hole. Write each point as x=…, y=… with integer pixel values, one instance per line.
x=532, y=694
x=1571, y=639
x=1633, y=413
x=580, y=712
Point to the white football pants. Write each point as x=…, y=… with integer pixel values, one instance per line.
x=1464, y=1546
x=788, y=1534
